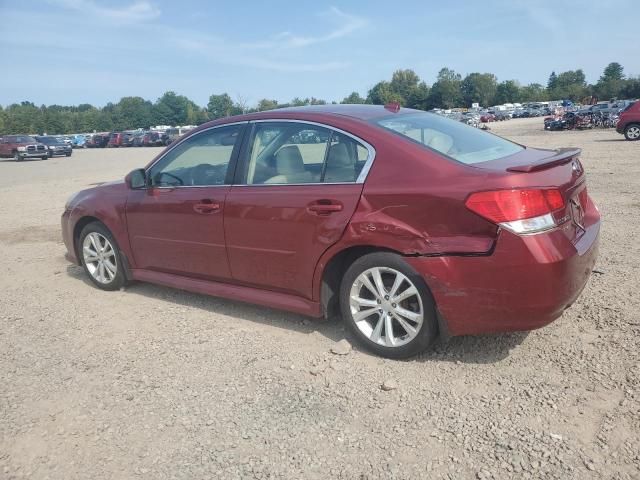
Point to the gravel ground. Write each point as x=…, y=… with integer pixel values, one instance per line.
x=157, y=383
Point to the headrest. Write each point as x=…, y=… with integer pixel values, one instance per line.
x=289, y=160
x=339, y=156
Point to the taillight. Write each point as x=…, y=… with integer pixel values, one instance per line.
x=518, y=210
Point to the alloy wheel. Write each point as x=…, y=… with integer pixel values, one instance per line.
x=633, y=133
x=386, y=306
x=99, y=257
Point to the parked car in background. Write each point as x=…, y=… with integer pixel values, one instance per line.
x=487, y=117
x=138, y=139
x=172, y=134
x=153, y=139
x=20, y=147
x=127, y=139
x=79, y=141
x=343, y=208
x=99, y=140
x=629, y=122
x=115, y=139
x=55, y=146
x=606, y=107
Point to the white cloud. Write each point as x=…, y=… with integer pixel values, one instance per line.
x=137, y=11
x=347, y=24
x=262, y=54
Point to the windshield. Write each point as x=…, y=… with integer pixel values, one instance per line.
x=454, y=139
x=25, y=139
x=48, y=140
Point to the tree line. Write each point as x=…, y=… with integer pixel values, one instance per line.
x=405, y=87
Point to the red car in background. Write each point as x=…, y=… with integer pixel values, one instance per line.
x=115, y=139
x=409, y=224
x=629, y=122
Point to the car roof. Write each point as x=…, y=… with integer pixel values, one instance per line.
x=319, y=113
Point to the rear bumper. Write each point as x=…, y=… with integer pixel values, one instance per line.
x=526, y=283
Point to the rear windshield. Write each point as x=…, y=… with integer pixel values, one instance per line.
x=456, y=140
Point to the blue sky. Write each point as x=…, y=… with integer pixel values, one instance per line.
x=96, y=51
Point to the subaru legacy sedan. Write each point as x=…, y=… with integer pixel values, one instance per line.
x=407, y=224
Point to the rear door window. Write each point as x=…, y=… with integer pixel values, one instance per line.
x=292, y=153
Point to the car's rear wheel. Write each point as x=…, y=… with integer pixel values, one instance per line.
x=632, y=132
x=101, y=257
x=388, y=306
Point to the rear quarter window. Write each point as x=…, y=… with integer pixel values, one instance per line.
x=451, y=138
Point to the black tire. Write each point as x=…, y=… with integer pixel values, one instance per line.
x=631, y=132
x=68, y=154
x=16, y=157
x=119, y=280
x=427, y=332
x=45, y=157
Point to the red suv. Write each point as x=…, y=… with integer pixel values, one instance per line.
x=629, y=122
x=407, y=223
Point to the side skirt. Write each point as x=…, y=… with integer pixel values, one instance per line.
x=256, y=296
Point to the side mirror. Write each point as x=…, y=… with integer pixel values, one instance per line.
x=136, y=179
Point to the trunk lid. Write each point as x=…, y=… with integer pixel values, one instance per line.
x=538, y=168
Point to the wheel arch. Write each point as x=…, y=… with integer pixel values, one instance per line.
x=331, y=269
x=86, y=220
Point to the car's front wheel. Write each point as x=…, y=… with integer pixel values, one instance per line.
x=388, y=306
x=16, y=157
x=632, y=132
x=101, y=257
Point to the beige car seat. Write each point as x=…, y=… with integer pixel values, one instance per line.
x=290, y=167
x=340, y=165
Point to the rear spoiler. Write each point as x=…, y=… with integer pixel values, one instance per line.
x=561, y=156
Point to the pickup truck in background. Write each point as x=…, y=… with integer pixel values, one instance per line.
x=22, y=146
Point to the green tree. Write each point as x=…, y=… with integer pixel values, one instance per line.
x=220, y=106
x=507, y=92
x=404, y=83
x=353, y=98
x=382, y=93
x=534, y=92
x=445, y=92
x=419, y=96
x=133, y=112
x=631, y=88
x=266, y=104
x=571, y=84
x=611, y=82
x=478, y=88
x=173, y=109
x=552, y=82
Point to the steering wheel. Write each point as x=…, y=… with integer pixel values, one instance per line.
x=206, y=174
x=171, y=175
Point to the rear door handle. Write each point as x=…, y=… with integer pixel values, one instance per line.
x=206, y=206
x=324, y=207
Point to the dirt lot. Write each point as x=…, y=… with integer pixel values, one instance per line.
x=157, y=383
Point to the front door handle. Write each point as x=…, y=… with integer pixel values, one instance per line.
x=206, y=207
x=324, y=207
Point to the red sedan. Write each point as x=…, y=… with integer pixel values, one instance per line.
x=408, y=224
